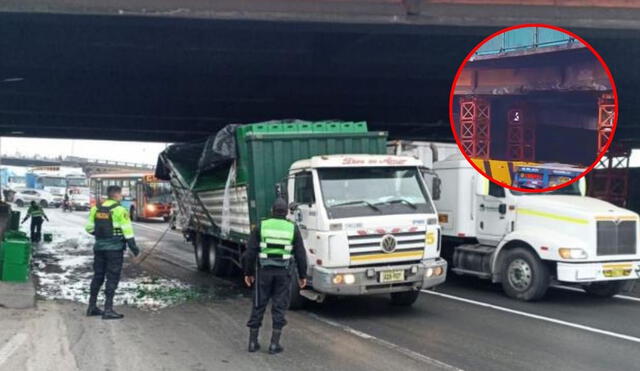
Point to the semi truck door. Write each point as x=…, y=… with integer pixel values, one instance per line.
x=491, y=224
x=304, y=197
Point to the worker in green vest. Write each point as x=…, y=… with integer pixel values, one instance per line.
x=273, y=247
x=36, y=213
x=109, y=222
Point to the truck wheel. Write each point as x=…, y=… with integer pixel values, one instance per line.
x=604, y=289
x=43, y=204
x=219, y=265
x=405, y=298
x=296, y=301
x=524, y=276
x=201, y=248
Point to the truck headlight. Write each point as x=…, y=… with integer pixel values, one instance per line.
x=429, y=272
x=572, y=253
x=349, y=279
x=338, y=279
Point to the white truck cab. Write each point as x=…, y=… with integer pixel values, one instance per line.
x=528, y=240
x=369, y=226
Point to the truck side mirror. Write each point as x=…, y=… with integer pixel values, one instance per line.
x=293, y=206
x=502, y=209
x=435, y=187
x=281, y=190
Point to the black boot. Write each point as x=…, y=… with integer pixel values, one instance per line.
x=275, y=347
x=93, y=309
x=254, y=346
x=109, y=313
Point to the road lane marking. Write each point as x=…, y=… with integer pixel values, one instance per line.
x=568, y=288
x=11, y=346
x=153, y=228
x=407, y=352
x=536, y=316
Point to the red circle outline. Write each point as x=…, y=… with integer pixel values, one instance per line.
x=602, y=63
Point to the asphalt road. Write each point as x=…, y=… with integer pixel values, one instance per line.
x=464, y=324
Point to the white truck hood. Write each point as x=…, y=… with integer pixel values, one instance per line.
x=572, y=206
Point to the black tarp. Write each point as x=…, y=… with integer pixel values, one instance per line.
x=194, y=158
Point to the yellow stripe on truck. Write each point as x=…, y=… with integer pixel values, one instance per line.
x=500, y=170
x=543, y=214
x=393, y=255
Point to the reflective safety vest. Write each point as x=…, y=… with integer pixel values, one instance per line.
x=35, y=211
x=109, y=220
x=276, y=242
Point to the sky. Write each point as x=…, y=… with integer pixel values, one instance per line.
x=139, y=152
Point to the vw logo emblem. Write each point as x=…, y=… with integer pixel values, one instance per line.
x=388, y=243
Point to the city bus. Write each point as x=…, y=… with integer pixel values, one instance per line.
x=143, y=194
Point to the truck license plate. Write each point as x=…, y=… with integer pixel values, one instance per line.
x=391, y=276
x=616, y=270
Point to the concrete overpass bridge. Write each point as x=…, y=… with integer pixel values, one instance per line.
x=166, y=70
x=89, y=166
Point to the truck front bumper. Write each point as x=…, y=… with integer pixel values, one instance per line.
x=367, y=279
x=598, y=271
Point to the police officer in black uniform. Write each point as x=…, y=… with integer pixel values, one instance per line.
x=272, y=247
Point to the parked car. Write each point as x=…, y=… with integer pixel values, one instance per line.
x=24, y=196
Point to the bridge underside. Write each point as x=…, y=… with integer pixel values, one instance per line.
x=134, y=77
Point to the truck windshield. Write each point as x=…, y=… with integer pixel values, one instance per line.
x=53, y=182
x=350, y=192
x=158, y=192
x=77, y=182
x=572, y=189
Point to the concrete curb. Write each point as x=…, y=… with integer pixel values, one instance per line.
x=18, y=295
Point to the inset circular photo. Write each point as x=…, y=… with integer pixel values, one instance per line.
x=533, y=108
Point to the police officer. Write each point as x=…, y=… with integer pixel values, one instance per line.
x=272, y=246
x=110, y=224
x=36, y=213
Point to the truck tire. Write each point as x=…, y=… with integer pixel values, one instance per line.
x=43, y=204
x=524, y=276
x=201, y=249
x=605, y=289
x=218, y=264
x=405, y=298
x=296, y=301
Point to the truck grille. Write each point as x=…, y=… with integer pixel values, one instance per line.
x=616, y=238
x=367, y=249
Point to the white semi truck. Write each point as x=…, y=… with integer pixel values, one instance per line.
x=527, y=241
x=367, y=219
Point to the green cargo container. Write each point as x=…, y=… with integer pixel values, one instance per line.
x=266, y=150
x=269, y=157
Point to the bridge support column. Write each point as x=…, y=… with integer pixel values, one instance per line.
x=606, y=118
x=610, y=180
x=475, y=127
x=521, y=134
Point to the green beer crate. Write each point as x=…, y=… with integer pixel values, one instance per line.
x=15, y=272
x=17, y=251
x=48, y=237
